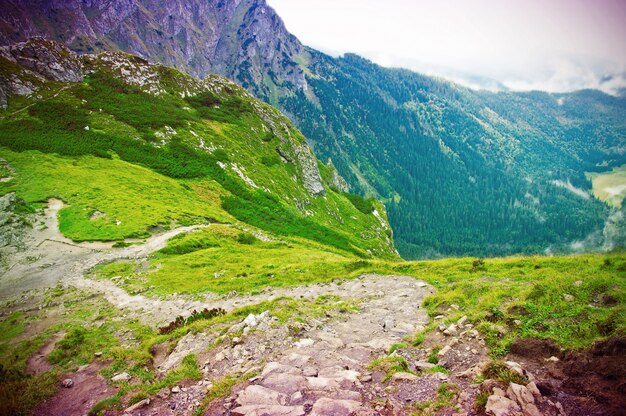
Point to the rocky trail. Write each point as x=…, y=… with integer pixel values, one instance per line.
x=310, y=366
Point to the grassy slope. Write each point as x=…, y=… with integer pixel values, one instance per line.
x=610, y=187
x=122, y=169
x=493, y=293
x=144, y=160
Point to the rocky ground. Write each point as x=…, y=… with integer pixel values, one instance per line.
x=348, y=362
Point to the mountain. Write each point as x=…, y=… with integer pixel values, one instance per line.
x=461, y=172
x=143, y=147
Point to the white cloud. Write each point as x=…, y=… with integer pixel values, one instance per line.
x=556, y=45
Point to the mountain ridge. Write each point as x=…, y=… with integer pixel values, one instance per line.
x=462, y=172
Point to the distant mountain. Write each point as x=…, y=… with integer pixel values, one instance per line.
x=461, y=172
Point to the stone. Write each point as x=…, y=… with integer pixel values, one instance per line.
x=529, y=409
x=98, y=354
x=138, y=405
x=577, y=283
x=520, y=394
x=532, y=388
x=268, y=410
x=365, y=378
x=462, y=321
x=444, y=351
x=121, y=377
x=568, y=297
x=402, y=376
x=251, y=321
x=451, y=330
x=501, y=406
x=423, y=365
x=254, y=395
x=304, y=342
x=342, y=394
x=274, y=367
x=285, y=383
x=296, y=397
x=340, y=373
x=175, y=389
x=442, y=327
x=333, y=407
x=189, y=344
x=309, y=372
x=67, y=383
x=552, y=359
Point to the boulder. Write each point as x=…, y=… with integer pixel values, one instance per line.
x=268, y=410
x=332, y=407
x=259, y=395
x=121, y=377
x=520, y=394
x=404, y=377
x=498, y=405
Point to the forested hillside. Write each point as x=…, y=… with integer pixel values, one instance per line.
x=462, y=172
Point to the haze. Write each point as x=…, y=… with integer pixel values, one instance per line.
x=557, y=45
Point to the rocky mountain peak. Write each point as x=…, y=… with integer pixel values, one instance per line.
x=244, y=40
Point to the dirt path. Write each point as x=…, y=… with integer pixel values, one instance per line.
x=51, y=258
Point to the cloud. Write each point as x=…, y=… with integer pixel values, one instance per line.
x=565, y=76
x=557, y=46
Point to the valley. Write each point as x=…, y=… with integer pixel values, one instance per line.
x=610, y=187
x=390, y=244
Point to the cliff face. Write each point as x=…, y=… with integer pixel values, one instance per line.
x=241, y=39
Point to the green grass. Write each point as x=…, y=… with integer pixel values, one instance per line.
x=138, y=158
x=132, y=198
x=389, y=365
x=216, y=259
x=610, y=187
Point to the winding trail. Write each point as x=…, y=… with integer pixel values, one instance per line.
x=320, y=371
x=51, y=259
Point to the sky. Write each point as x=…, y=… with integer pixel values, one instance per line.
x=549, y=45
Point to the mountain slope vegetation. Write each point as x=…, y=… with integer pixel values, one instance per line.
x=134, y=147
x=461, y=172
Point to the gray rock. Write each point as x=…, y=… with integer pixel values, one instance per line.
x=423, y=365
x=189, y=344
x=137, y=405
x=121, y=377
x=568, y=297
x=67, y=383
x=520, y=394
x=451, y=330
x=284, y=383
x=404, y=377
x=331, y=407
x=268, y=410
x=498, y=405
x=255, y=395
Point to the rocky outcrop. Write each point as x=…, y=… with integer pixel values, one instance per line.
x=51, y=60
x=310, y=173
x=26, y=65
x=336, y=179
x=242, y=39
x=517, y=399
